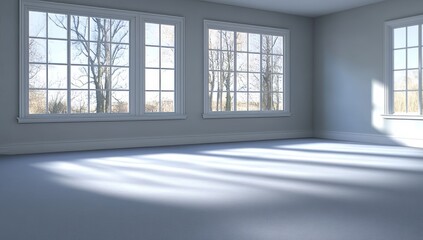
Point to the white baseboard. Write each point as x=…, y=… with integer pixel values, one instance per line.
x=371, y=138
x=98, y=144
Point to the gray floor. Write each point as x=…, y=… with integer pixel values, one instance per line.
x=290, y=189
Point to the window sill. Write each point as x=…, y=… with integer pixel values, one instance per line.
x=69, y=119
x=213, y=115
x=403, y=117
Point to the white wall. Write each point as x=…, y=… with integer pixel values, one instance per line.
x=348, y=93
x=16, y=137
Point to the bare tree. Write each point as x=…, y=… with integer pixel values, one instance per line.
x=99, y=51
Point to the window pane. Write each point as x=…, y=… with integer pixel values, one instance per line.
x=254, y=62
x=242, y=82
x=167, y=58
x=57, y=26
x=278, y=45
x=399, y=80
x=100, y=78
x=399, y=102
x=214, y=80
x=152, y=57
x=228, y=40
x=79, y=77
x=242, y=42
x=100, y=53
x=57, y=51
x=37, y=102
x=277, y=83
x=214, y=39
x=57, y=102
x=57, y=76
x=278, y=101
x=400, y=38
x=266, y=100
x=152, y=102
x=254, y=82
x=413, y=102
x=413, y=80
x=254, y=102
x=413, y=36
x=152, y=35
x=99, y=29
x=79, y=28
x=241, y=62
x=413, y=58
x=168, y=80
x=37, y=76
x=152, y=79
x=227, y=79
x=228, y=61
x=37, y=24
x=242, y=101
x=120, y=78
x=119, y=55
x=168, y=35
x=37, y=50
x=120, y=102
x=399, y=59
x=119, y=31
x=100, y=101
x=267, y=44
x=277, y=66
x=167, y=100
x=253, y=42
x=79, y=52
x=79, y=101
x=222, y=101
x=214, y=60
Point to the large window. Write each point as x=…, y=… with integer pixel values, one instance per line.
x=246, y=70
x=81, y=63
x=404, y=66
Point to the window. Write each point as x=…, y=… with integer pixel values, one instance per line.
x=81, y=63
x=404, y=66
x=246, y=70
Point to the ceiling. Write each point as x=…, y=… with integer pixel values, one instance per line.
x=310, y=8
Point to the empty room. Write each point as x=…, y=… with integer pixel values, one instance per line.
x=211, y=120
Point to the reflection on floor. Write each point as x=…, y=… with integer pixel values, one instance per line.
x=288, y=189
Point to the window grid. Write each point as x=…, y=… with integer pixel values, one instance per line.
x=408, y=92
x=69, y=91
x=248, y=70
x=160, y=69
x=60, y=56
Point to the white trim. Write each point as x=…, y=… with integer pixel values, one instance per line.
x=244, y=114
x=286, y=72
x=145, y=117
x=371, y=138
x=97, y=144
x=403, y=117
x=136, y=58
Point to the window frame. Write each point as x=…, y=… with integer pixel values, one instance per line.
x=390, y=26
x=136, y=90
x=237, y=27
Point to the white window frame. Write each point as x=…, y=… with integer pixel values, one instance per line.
x=389, y=62
x=136, y=72
x=210, y=24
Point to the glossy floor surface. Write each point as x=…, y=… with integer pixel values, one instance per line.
x=307, y=189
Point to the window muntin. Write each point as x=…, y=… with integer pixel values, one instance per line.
x=159, y=67
x=81, y=63
x=403, y=69
x=406, y=70
x=77, y=64
x=246, y=69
